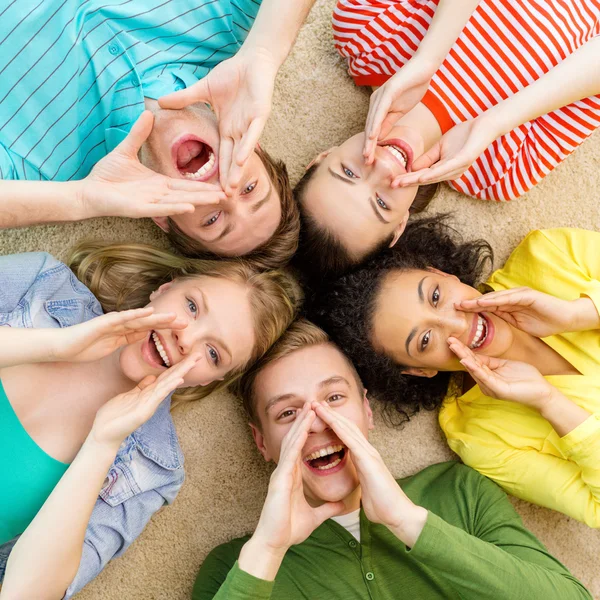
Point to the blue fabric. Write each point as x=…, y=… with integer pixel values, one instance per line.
x=36, y=290
x=74, y=72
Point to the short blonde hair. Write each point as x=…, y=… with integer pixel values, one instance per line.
x=122, y=276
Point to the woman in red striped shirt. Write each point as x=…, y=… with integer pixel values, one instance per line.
x=490, y=95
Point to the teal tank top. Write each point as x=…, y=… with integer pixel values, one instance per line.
x=27, y=473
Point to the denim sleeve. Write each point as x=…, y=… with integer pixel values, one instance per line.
x=112, y=529
x=18, y=272
x=7, y=167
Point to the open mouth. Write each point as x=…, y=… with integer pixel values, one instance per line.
x=326, y=460
x=400, y=151
x=159, y=354
x=484, y=332
x=194, y=158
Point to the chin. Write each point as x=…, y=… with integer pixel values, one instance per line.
x=332, y=489
x=131, y=363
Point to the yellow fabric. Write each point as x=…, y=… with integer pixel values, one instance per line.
x=511, y=443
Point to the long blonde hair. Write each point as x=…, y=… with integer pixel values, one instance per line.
x=122, y=276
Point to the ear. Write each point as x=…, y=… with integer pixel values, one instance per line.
x=368, y=410
x=161, y=290
x=418, y=372
x=442, y=274
x=162, y=222
x=259, y=440
x=399, y=230
x=317, y=159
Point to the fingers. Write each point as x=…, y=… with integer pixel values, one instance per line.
x=167, y=210
x=295, y=438
x=138, y=135
x=189, y=185
x=379, y=105
x=419, y=168
x=168, y=320
x=249, y=141
x=516, y=297
x=198, y=198
x=199, y=92
x=347, y=431
x=225, y=153
x=469, y=359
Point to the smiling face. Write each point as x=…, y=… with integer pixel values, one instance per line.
x=219, y=327
x=356, y=202
x=184, y=144
x=415, y=315
x=314, y=373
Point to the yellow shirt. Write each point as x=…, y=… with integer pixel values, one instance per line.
x=512, y=443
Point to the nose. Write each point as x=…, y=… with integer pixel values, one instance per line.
x=454, y=323
x=383, y=167
x=185, y=339
x=318, y=426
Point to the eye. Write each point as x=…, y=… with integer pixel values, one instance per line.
x=193, y=308
x=435, y=297
x=249, y=188
x=381, y=203
x=348, y=172
x=214, y=356
x=212, y=220
x=334, y=398
x=286, y=414
x=425, y=341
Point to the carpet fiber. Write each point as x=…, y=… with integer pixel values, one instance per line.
x=317, y=106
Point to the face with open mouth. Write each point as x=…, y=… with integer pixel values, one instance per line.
x=184, y=144
x=355, y=201
x=220, y=327
x=415, y=315
x=314, y=373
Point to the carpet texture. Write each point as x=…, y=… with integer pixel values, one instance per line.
x=316, y=106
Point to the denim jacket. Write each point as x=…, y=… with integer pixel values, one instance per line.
x=36, y=290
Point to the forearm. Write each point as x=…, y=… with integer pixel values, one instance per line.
x=45, y=559
x=26, y=203
x=410, y=527
x=575, y=78
x=276, y=27
x=586, y=315
x=259, y=561
x=20, y=346
x=562, y=413
x=447, y=24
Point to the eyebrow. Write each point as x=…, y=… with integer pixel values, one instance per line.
x=323, y=384
x=256, y=207
x=207, y=307
x=341, y=178
x=412, y=334
x=377, y=213
x=228, y=229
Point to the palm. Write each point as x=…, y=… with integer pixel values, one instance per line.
x=516, y=381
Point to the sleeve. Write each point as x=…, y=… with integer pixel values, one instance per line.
x=18, y=273
x=7, y=167
x=112, y=529
x=221, y=578
x=499, y=559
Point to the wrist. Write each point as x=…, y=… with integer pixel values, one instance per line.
x=410, y=523
x=104, y=451
x=550, y=401
x=426, y=63
x=260, y=559
x=584, y=314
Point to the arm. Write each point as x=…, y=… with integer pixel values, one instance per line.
x=66, y=513
x=498, y=559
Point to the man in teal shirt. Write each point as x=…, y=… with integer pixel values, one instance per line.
x=77, y=74
x=336, y=524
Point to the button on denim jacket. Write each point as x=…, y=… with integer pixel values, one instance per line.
x=36, y=290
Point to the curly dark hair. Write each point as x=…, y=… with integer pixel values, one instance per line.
x=344, y=308
x=320, y=252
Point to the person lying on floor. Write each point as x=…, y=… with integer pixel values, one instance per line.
x=75, y=79
x=83, y=474
x=523, y=407
x=491, y=95
x=336, y=524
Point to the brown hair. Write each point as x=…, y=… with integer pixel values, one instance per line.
x=301, y=334
x=275, y=252
x=320, y=252
x=122, y=276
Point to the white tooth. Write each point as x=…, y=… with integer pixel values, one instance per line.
x=323, y=452
x=330, y=450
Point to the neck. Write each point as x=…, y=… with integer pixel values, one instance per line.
x=108, y=369
x=419, y=128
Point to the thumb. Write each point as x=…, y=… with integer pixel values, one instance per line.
x=328, y=510
x=144, y=383
x=388, y=124
x=199, y=92
x=429, y=158
x=138, y=135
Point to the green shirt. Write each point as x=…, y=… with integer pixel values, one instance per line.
x=473, y=545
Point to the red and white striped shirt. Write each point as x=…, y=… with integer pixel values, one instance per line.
x=505, y=46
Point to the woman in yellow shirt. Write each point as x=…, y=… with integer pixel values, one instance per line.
x=523, y=406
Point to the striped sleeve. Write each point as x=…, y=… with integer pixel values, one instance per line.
x=7, y=167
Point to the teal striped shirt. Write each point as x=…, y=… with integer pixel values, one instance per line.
x=74, y=73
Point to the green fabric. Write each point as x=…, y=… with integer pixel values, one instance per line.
x=474, y=546
x=27, y=473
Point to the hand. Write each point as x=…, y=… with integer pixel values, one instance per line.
x=239, y=90
x=101, y=336
x=531, y=311
x=124, y=413
x=505, y=379
x=119, y=185
x=287, y=518
x=396, y=97
x=382, y=498
x=451, y=156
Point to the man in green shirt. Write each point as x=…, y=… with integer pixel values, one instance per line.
x=336, y=524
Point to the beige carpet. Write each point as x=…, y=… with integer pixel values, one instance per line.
x=316, y=106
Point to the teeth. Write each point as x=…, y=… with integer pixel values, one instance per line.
x=204, y=169
x=324, y=452
x=160, y=349
x=480, y=333
x=335, y=463
x=399, y=154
